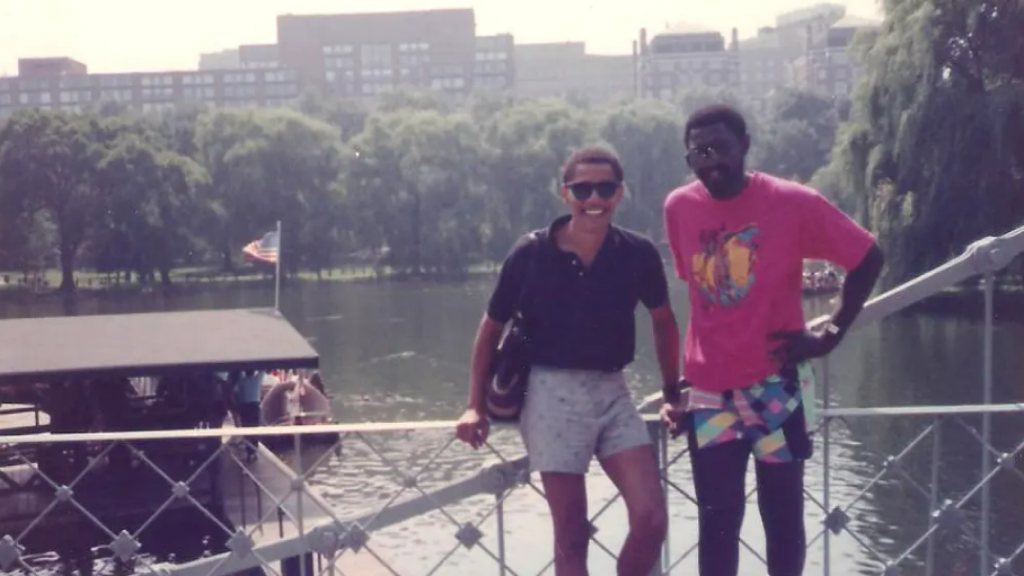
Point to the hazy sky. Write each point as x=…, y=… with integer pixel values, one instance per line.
x=141, y=35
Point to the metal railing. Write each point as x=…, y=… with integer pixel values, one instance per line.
x=337, y=500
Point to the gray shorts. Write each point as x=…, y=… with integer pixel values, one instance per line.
x=570, y=416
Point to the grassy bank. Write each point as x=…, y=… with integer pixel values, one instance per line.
x=48, y=282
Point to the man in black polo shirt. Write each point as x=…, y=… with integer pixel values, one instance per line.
x=583, y=278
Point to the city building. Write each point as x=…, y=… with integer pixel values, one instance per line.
x=223, y=60
x=495, y=67
x=684, y=57
x=764, y=67
x=362, y=55
x=259, y=56
x=31, y=68
x=827, y=64
x=772, y=58
x=49, y=86
x=564, y=69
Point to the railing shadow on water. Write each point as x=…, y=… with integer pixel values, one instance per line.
x=406, y=498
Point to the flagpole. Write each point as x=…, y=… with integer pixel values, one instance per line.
x=277, y=271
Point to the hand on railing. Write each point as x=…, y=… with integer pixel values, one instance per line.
x=472, y=428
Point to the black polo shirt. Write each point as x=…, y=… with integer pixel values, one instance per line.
x=578, y=318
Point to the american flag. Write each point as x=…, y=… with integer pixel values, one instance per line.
x=263, y=250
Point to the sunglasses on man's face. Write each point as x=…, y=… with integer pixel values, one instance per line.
x=582, y=191
x=708, y=151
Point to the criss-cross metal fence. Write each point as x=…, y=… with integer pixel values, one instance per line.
x=900, y=490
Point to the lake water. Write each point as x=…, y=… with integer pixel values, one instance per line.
x=399, y=352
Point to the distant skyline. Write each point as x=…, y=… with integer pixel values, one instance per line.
x=143, y=35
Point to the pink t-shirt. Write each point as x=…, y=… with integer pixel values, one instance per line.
x=743, y=261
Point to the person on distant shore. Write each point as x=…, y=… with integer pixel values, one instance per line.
x=583, y=278
x=739, y=240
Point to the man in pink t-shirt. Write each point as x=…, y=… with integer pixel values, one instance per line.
x=739, y=240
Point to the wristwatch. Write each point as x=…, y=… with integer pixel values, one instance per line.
x=832, y=331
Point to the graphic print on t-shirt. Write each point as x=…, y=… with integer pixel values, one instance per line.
x=724, y=269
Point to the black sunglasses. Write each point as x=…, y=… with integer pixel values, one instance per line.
x=707, y=151
x=583, y=190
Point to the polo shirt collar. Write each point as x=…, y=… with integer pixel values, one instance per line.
x=613, y=232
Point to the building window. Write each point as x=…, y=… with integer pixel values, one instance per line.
x=376, y=56
x=413, y=59
x=116, y=81
x=75, y=82
x=200, y=93
x=158, y=93
x=339, y=49
x=240, y=77
x=483, y=56
x=375, y=72
x=414, y=47
x=239, y=91
x=279, y=76
x=448, y=83
x=161, y=80
x=198, y=79
x=76, y=96
x=281, y=90
x=340, y=62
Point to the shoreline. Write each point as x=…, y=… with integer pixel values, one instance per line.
x=969, y=303
x=963, y=302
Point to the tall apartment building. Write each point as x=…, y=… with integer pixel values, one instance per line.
x=495, y=68
x=772, y=59
x=372, y=53
x=764, y=67
x=563, y=69
x=827, y=65
x=685, y=57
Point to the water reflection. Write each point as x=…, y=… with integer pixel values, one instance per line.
x=399, y=351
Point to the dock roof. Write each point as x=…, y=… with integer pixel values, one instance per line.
x=150, y=344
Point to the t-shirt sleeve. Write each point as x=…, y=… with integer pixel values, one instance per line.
x=827, y=233
x=505, y=298
x=653, y=284
x=672, y=235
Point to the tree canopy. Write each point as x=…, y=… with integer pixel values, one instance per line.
x=928, y=154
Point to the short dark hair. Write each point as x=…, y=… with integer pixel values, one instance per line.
x=717, y=114
x=592, y=155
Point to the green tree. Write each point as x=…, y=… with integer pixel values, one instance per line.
x=936, y=143
x=647, y=135
x=48, y=165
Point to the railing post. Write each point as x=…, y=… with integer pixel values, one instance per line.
x=986, y=422
x=659, y=437
x=826, y=466
x=666, y=555
x=933, y=497
x=500, y=519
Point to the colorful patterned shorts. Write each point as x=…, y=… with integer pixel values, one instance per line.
x=773, y=415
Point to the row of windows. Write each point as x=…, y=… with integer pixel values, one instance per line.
x=148, y=82
x=484, y=56
x=7, y=108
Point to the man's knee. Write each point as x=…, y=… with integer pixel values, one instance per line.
x=650, y=519
x=572, y=538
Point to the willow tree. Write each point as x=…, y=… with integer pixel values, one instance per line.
x=933, y=158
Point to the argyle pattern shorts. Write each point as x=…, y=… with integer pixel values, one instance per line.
x=769, y=414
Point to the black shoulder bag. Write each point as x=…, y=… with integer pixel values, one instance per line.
x=509, y=374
